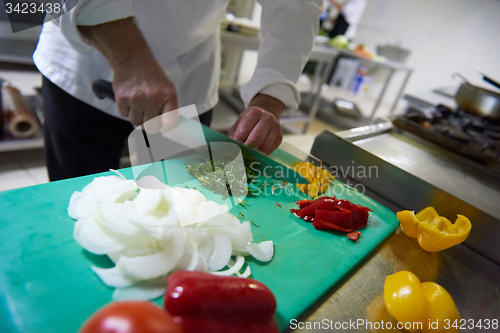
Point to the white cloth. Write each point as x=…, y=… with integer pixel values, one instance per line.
x=184, y=38
x=353, y=11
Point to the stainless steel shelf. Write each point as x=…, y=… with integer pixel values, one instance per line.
x=21, y=144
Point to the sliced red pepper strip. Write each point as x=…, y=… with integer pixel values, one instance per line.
x=339, y=218
x=304, y=203
x=319, y=224
x=344, y=219
x=353, y=235
x=347, y=206
x=325, y=204
x=308, y=218
x=359, y=219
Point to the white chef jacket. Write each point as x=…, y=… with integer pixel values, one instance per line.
x=353, y=11
x=183, y=36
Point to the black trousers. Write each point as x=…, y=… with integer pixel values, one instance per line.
x=80, y=139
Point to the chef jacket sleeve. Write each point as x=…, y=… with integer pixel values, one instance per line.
x=92, y=12
x=288, y=29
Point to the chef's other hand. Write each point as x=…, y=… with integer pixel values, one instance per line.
x=143, y=92
x=259, y=125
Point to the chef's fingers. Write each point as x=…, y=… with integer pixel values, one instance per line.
x=258, y=134
x=152, y=117
x=171, y=103
x=233, y=128
x=272, y=140
x=158, y=106
x=168, y=120
x=123, y=106
x=276, y=143
x=138, y=107
x=248, y=120
x=151, y=125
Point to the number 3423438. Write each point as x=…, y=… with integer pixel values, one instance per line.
x=33, y=8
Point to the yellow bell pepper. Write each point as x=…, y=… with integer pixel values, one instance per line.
x=433, y=232
x=441, y=308
x=404, y=297
x=317, y=177
x=419, y=306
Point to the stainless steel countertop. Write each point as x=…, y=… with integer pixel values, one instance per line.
x=450, y=172
x=472, y=280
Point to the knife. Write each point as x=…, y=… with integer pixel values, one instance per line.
x=268, y=165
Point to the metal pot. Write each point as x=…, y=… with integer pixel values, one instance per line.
x=478, y=101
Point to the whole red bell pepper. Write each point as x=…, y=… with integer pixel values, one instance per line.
x=203, y=302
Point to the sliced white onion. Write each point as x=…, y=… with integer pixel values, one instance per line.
x=191, y=259
x=241, y=251
x=113, y=277
x=262, y=252
x=150, y=182
x=151, y=266
x=196, y=196
x=165, y=228
x=148, y=200
x=203, y=212
x=150, y=234
x=81, y=205
x=142, y=291
x=246, y=273
x=206, y=243
x=239, y=235
x=98, y=240
x=116, y=217
x=240, y=261
x=111, y=189
x=222, y=253
x=118, y=173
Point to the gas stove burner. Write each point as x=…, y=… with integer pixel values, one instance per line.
x=457, y=129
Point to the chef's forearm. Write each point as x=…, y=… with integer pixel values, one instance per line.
x=121, y=43
x=268, y=103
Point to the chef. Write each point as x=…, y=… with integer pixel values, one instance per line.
x=350, y=13
x=159, y=55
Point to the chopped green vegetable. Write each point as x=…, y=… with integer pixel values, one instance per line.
x=222, y=173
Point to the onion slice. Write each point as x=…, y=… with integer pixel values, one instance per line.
x=154, y=265
x=96, y=239
x=113, y=277
x=262, y=252
x=222, y=253
x=142, y=291
x=240, y=261
x=81, y=205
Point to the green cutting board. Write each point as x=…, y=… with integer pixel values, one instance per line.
x=46, y=284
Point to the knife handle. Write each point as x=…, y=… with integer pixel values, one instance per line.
x=103, y=89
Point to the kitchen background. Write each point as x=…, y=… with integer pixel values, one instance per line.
x=440, y=36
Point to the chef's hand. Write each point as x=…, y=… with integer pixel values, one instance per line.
x=142, y=90
x=259, y=124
